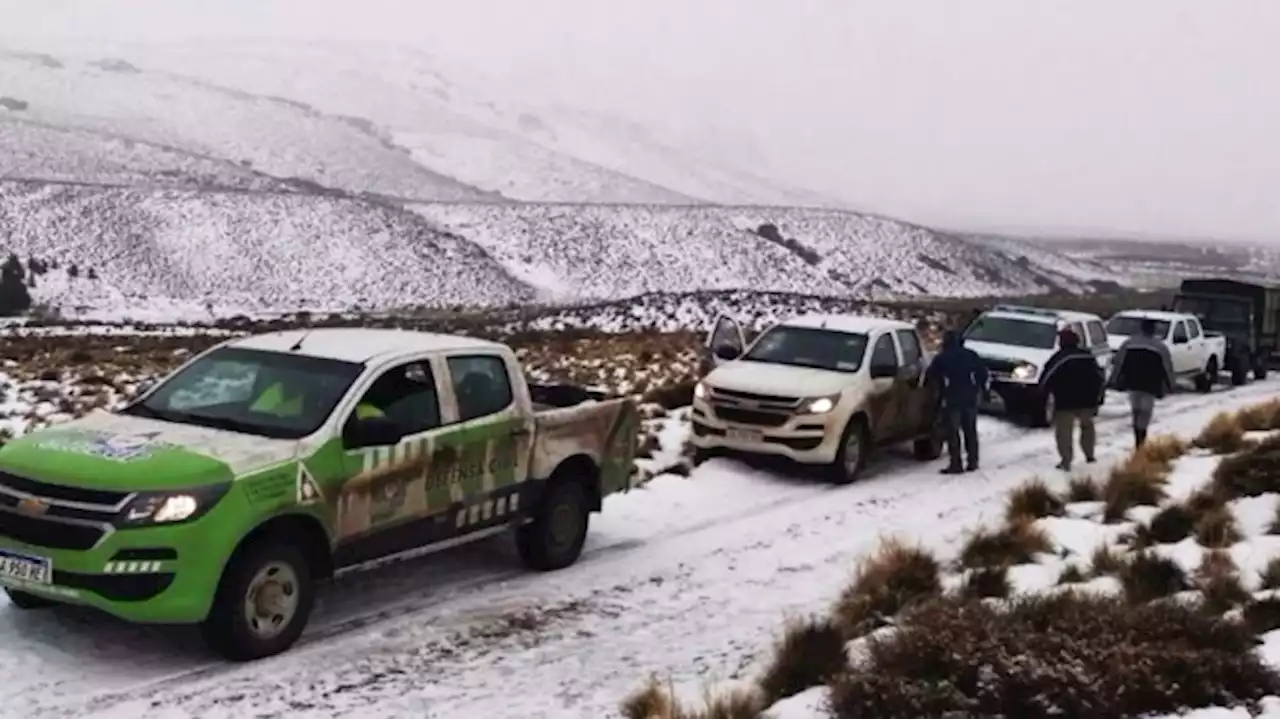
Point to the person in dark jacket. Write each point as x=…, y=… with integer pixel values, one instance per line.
x=964, y=379
x=1144, y=369
x=1076, y=382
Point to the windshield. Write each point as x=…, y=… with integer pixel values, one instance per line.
x=270, y=394
x=809, y=347
x=1132, y=326
x=1010, y=331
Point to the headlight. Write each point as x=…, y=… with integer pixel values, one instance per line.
x=150, y=508
x=1025, y=371
x=700, y=391
x=820, y=405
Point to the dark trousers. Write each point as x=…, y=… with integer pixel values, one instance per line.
x=962, y=422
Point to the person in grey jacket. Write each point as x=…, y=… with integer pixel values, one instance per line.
x=1143, y=368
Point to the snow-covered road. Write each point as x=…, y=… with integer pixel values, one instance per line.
x=687, y=576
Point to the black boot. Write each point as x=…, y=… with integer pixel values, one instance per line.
x=1139, y=436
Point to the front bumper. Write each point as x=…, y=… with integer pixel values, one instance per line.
x=1013, y=397
x=155, y=574
x=802, y=438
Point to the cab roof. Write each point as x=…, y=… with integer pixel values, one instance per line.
x=1162, y=315
x=358, y=344
x=847, y=323
x=1043, y=315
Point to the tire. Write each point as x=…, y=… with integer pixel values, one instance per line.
x=1206, y=379
x=26, y=600
x=1260, y=371
x=1042, y=414
x=851, y=458
x=281, y=571
x=1239, y=373
x=554, y=539
x=927, y=449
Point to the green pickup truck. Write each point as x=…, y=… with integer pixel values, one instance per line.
x=224, y=493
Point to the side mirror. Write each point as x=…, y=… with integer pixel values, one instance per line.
x=371, y=432
x=883, y=370
x=726, y=352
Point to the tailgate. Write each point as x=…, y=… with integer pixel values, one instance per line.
x=604, y=431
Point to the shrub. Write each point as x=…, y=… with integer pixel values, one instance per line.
x=1217, y=528
x=1031, y=501
x=1016, y=543
x=1260, y=417
x=1105, y=561
x=1172, y=524
x=895, y=577
x=1147, y=577
x=1162, y=450
x=1137, y=480
x=808, y=654
x=1083, y=489
x=987, y=582
x=1250, y=473
x=1223, y=434
x=1219, y=583
x=671, y=397
x=1066, y=655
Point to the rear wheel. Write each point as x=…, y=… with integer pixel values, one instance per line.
x=1205, y=380
x=26, y=600
x=1260, y=370
x=554, y=539
x=929, y=447
x=263, y=602
x=1239, y=372
x=851, y=458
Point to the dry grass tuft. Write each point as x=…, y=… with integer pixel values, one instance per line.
x=1106, y=561
x=1222, y=435
x=1071, y=574
x=1163, y=449
x=1260, y=417
x=1250, y=473
x=1219, y=582
x=1263, y=615
x=1217, y=528
x=1172, y=524
x=1083, y=489
x=809, y=653
x=987, y=582
x=1147, y=577
x=654, y=701
x=1136, y=481
x=895, y=577
x=1032, y=501
x=1016, y=543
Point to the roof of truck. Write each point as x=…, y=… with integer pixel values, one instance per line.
x=1162, y=315
x=848, y=323
x=1044, y=315
x=358, y=344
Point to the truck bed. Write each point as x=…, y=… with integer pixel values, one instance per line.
x=604, y=430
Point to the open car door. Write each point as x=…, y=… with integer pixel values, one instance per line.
x=725, y=342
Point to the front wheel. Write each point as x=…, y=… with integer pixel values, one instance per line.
x=263, y=603
x=1042, y=414
x=554, y=539
x=26, y=600
x=851, y=458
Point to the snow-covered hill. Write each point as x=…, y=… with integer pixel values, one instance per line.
x=265, y=246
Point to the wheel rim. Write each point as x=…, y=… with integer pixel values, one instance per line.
x=565, y=523
x=852, y=453
x=271, y=601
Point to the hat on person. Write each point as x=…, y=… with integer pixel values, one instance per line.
x=1068, y=338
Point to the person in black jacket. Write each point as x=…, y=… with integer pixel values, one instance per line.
x=964, y=379
x=1076, y=382
x=1144, y=369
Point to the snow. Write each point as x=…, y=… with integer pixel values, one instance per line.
x=808, y=704
x=686, y=577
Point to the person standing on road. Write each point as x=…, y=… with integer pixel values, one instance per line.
x=1143, y=368
x=1078, y=386
x=964, y=378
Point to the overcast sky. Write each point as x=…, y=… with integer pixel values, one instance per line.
x=1157, y=117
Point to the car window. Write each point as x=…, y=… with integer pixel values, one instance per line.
x=910, y=344
x=270, y=394
x=481, y=384
x=1129, y=326
x=1097, y=333
x=884, y=352
x=405, y=394
x=1014, y=332
x=1193, y=329
x=1180, y=332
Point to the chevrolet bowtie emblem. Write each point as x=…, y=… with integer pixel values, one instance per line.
x=33, y=505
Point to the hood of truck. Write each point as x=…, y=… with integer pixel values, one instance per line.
x=779, y=379
x=1011, y=353
x=121, y=452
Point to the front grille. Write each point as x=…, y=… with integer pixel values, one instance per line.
x=60, y=492
x=49, y=533
x=747, y=416
x=752, y=397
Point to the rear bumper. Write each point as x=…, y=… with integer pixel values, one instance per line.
x=805, y=439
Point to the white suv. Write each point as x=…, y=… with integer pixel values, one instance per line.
x=1016, y=343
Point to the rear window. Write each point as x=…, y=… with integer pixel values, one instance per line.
x=1131, y=327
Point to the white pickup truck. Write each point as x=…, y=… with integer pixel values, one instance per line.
x=1197, y=355
x=819, y=390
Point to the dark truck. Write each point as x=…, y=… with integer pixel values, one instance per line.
x=1246, y=314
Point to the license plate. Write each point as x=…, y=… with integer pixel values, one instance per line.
x=745, y=435
x=35, y=570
